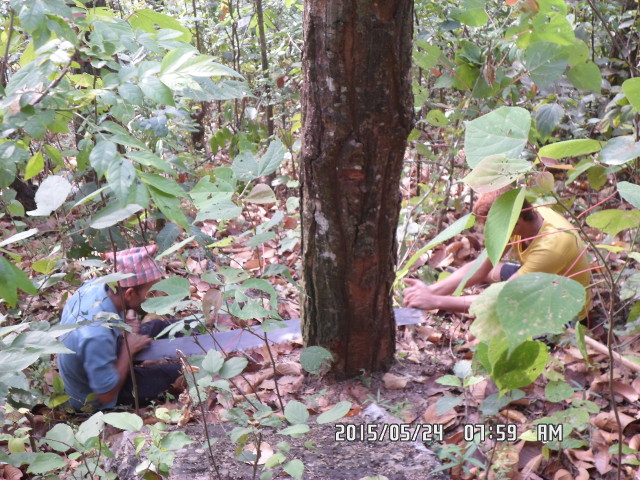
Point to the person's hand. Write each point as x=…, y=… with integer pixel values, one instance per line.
x=131, y=319
x=137, y=342
x=419, y=295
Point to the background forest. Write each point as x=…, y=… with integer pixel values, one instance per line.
x=179, y=123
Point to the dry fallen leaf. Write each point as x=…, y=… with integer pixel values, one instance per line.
x=266, y=452
x=9, y=472
x=562, y=474
x=394, y=382
x=289, y=368
x=607, y=421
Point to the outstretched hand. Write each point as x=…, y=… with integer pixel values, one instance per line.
x=419, y=295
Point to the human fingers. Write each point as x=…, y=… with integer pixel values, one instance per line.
x=412, y=282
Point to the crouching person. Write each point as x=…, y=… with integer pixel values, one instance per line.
x=98, y=373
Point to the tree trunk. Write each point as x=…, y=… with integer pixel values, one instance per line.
x=357, y=114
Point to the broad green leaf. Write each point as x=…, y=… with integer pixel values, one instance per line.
x=487, y=325
x=12, y=278
x=149, y=159
x=631, y=89
x=51, y=194
x=295, y=431
x=131, y=93
x=628, y=191
x=502, y=218
x=537, y=304
x=494, y=172
x=261, y=194
x=46, y=463
x=447, y=402
x=522, y=367
x=547, y=118
x=504, y=131
x=19, y=236
x=613, y=222
x=295, y=468
x=586, y=76
x=175, y=247
x=157, y=91
x=314, y=359
x=170, y=206
x=275, y=460
x=451, y=231
x=123, y=421
x=102, y=155
x=91, y=427
x=437, y=118
x=120, y=176
x=296, y=412
x=175, y=441
x=39, y=342
x=545, y=62
x=558, y=391
x=212, y=362
x=620, y=150
x=570, y=148
x=12, y=361
x=175, y=288
x=165, y=185
x=223, y=210
x=233, y=366
x=34, y=166
x=472, y=13
x=111, y=215
x=335, y=413
x=428, y=57
x=60, y=437
x=148, y=20
x=450, y=381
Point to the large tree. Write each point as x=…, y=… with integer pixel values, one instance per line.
x=357, y=114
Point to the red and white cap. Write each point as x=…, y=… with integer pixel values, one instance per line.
x=138, y=261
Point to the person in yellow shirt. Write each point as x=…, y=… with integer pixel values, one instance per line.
x=543, y=241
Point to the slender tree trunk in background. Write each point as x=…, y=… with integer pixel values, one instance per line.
x=265, y=64
x=357, y=113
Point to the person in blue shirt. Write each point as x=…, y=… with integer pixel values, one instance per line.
x=97, y=375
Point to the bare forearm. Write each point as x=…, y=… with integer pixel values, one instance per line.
x=454, y=304
x=450, y=284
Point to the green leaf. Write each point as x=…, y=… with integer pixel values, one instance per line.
x=437, y=118
x=121, y=175
x=335, y=413
x=521, y=368
x=124, y=421
x=102, y=155
x=170, y=206
x=91, y=427
x=547, y=118
x=275, y=460
x=570, y=148
x=261, y=194
x=628, y=191
x=504, y=131
x=494, y=172
x=247, y=168
x=447, y=402
x=233, y=366
x=131, y=93
x=314, y=359
x=296, y=412
x=46, y=463
x=449, y=380
x=19, y=236
x=428, y=58
x=295, y=431
x=111, y=215
x=212, y=362
x=502, y=218
x=165, y=185
x=631, y=89
x=586, y=76
x=157, y=91
x=620, y=150
x=545, y=62
x=558, y=391
x=60, y=437
x=222, y=210
x=522, y=313
x=471, y=14
x=34, y=166
x=12, y=278
x=51, y=194
x=487, y=325
x=175, y=441
x=613, y=222
x=295, y=468
x=148, y=20
x=149, y=159
x=175, y=288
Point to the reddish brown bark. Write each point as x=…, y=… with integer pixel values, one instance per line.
x=357, y=113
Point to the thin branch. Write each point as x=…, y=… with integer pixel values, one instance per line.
x=5, y=58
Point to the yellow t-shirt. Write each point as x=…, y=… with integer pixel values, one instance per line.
x=555, y=252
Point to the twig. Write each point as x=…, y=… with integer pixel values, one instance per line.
x=5, y=57
x=55, y=82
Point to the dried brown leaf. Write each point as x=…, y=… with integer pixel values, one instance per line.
x=394, y=382
x=289, y=368
x=562, y=474
x=266, y=452
x=9, y=472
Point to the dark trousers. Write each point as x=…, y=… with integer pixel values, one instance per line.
x=152, y=380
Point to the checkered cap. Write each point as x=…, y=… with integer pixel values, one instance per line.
x=138, y=261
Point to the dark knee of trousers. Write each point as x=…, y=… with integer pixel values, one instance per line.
x=152, y=381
